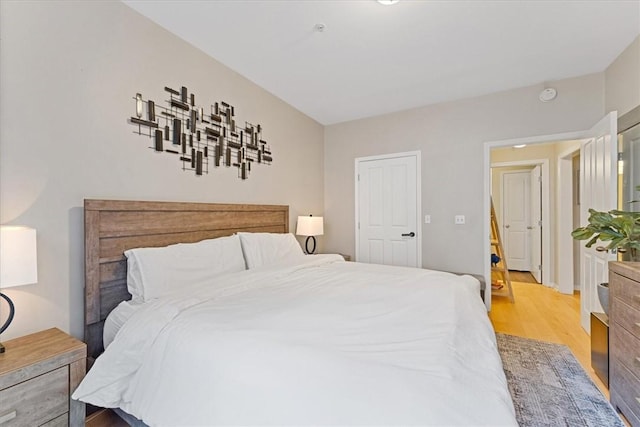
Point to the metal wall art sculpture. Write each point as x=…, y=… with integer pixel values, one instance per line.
x=197, y=138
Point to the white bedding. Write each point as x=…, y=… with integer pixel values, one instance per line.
x=322, y=342
x=116, y=319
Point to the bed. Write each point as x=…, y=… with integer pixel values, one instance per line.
x=291, y=340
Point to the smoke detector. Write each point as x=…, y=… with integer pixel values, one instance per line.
x=548, y=94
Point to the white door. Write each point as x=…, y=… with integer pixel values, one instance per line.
x=387, y=210
x=515, y=213
x=535, y=224
x=598, y=185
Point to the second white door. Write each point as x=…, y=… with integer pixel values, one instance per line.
x=516, y=220
x=387, y=197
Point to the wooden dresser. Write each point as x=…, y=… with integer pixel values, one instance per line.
x=38, y=373
x=624, y=339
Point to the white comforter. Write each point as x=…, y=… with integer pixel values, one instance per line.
x=324, y=342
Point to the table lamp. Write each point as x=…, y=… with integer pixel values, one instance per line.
x=18, y=263
x=310, y=226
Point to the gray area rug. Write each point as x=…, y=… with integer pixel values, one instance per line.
x=550, y=388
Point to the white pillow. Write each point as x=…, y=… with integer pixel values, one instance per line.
x=156, y=272
x=262, y=249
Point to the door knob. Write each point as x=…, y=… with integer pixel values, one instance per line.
x=529, y=228
x=412, y=234
x=507, y=226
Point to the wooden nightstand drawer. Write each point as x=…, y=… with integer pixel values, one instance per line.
x=625, y=316
x=626, y=289
x=61, y=421
x=38, y=373
x=627, y=388
x=626, y=348
x=37, y=400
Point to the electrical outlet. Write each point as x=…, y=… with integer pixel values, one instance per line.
x=427, y=219
x=459, y=219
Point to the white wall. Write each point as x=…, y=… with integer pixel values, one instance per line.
x=68, y=73
x=451, y=137
x=622, y=80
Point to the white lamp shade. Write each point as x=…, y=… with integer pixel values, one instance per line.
x=310, y=226
x=18, y=256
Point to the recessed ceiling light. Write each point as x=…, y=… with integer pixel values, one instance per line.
x=520, y=146
x=388, y=2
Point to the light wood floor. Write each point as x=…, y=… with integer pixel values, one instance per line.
x=544, y=314
x=521, y=276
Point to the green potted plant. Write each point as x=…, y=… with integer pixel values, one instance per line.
x=619, y=230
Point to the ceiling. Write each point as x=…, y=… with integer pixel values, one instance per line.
x=373, y=59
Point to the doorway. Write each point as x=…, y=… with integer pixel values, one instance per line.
x=388, y=208
x=521, y=205
x=598, y=156
x=532, y=190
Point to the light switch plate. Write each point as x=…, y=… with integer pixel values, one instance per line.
x=459, y=219
x=427, y=219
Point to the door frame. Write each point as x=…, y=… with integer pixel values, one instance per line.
x=418, y=157
x=546, y=211
x=535, y=210
x=565, y=183
x=566, y=136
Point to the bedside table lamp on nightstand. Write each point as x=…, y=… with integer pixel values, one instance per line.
x=310, y=226
x=18, y=263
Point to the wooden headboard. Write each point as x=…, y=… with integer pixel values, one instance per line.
x=113, y=226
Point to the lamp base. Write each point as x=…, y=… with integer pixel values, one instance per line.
x=12, y=310
x=306, y=245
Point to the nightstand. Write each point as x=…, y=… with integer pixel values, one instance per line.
x=38, y=373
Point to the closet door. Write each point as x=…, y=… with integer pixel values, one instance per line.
x=387, y=206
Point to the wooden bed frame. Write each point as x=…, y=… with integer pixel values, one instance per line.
x=113, y=226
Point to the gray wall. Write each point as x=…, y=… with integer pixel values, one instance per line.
x=68, y=75
x=622, y=80
x=69, y=70
x=451, y=137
